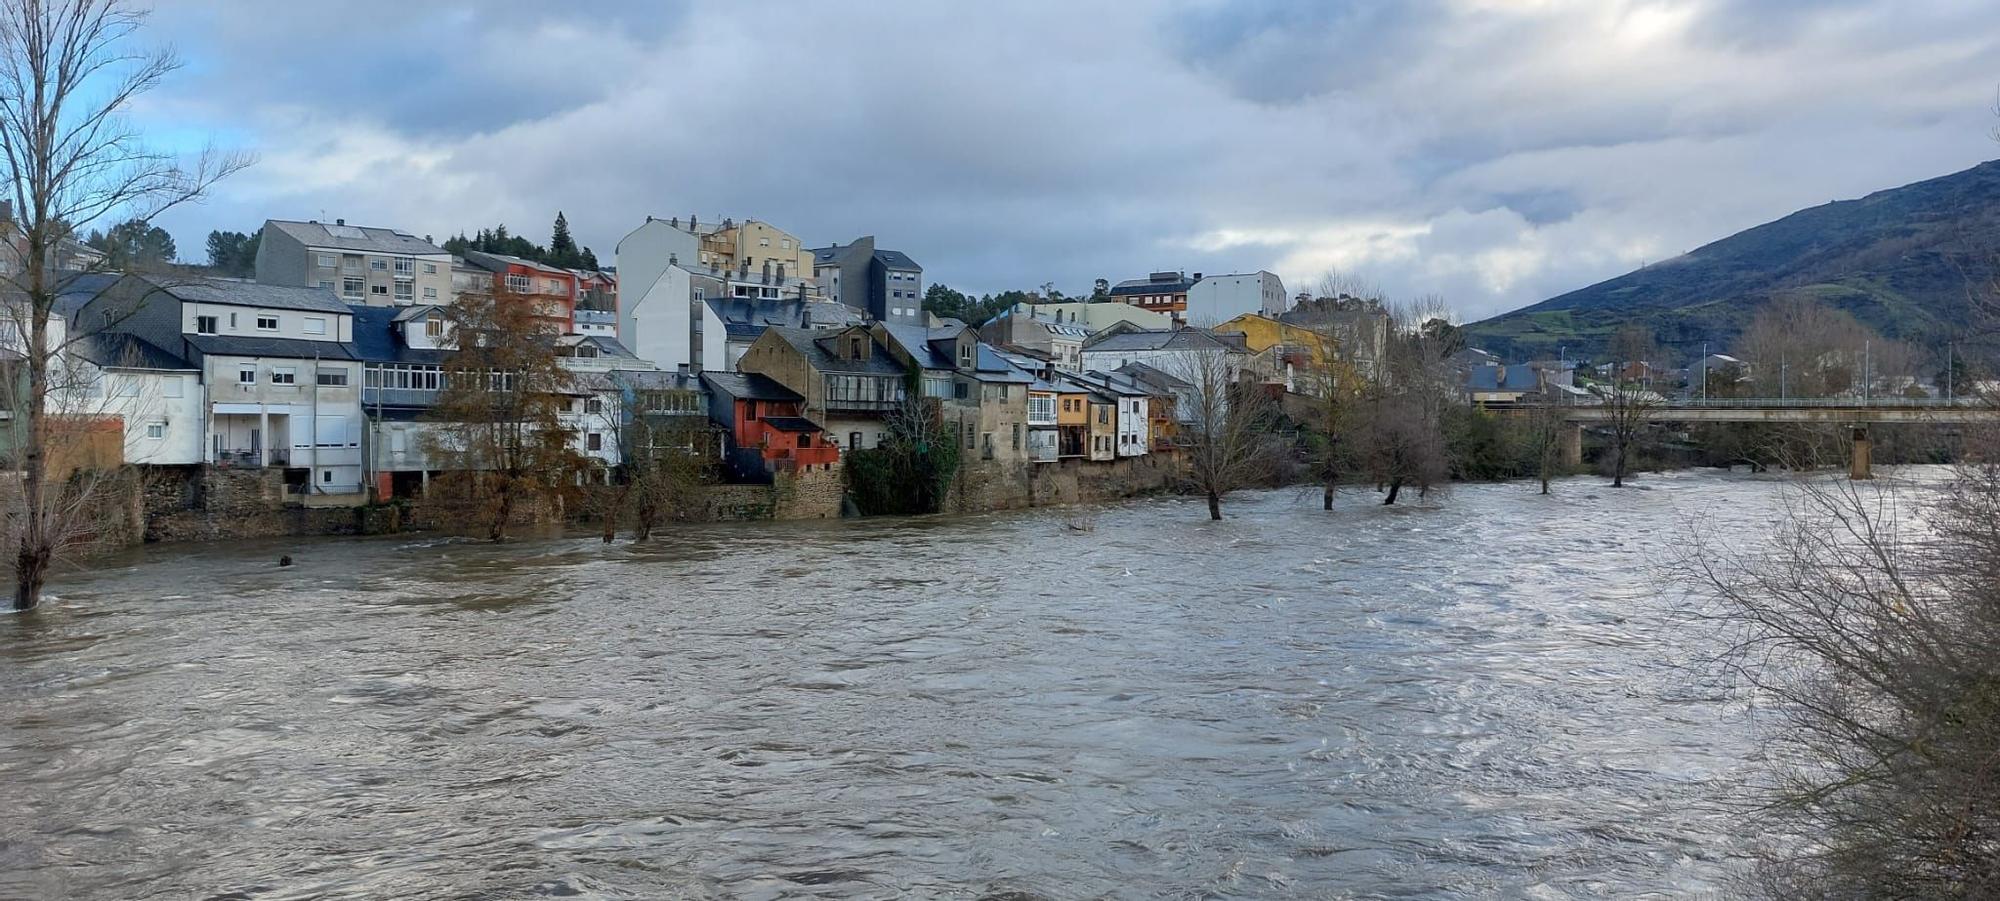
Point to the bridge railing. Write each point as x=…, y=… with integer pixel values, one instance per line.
x=1895, y=401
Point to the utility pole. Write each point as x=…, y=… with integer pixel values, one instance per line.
x=1704, y=372
x=1950, y=375
x=1866, y=358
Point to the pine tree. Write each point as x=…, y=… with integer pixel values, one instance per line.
x=562, y=247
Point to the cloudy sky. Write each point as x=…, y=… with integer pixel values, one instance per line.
x=1495, y=152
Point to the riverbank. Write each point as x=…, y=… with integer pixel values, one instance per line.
x=989, y=704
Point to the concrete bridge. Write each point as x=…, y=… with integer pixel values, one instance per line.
x=1855, y=413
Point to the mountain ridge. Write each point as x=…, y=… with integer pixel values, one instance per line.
x=1911, y=262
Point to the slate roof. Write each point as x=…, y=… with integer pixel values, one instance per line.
x=750, y=386
x=916, y=341
x=252, y=346
x=1160, y=379
x=116, y=350
x=82, y=289
x=992, y=367
x=1147, y=286
x=896, y=259
x=355, y=238
x=811, y=344
x=231, y=292
x=1164, y=339
x=656, y=380
x=378, y=337
x=791, y=424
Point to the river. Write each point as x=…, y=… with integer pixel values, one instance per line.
x=1478, y=699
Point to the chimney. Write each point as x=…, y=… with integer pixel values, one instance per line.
x=781, y=273
x=691, y=222
x=767, y=272
x=675, y=222
x=1197, y=276
x=340, y=222
x=427, y=240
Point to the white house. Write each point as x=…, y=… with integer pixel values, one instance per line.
x=279, y=376
x=1134, y=408
x=1220, y=298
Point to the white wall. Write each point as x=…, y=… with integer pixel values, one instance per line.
x=151, y=399
x=242, y=321
x=1219, y=298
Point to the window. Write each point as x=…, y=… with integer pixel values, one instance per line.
x=1017, y=436
x=379, y=290
x=325, y=285
x=350, y=263
x=246, y=375
x=378, y=264
x=267, y=323
x=593, y=405
x=405, y=291
x=853, y=440
x=351, y=287
x=434, y=327
x=331, y=378
x=405, y=266
x=156, y=430
x=430, y=268
x=315, y=325
x=763, y=242
x=517, y=283
x=325, y=261
x=787, y=244
x=430, y=293
x=128, y=386
x=284, y=375
x=959, y=391
x=595, y=441
x=325, y=476
x=204, y=325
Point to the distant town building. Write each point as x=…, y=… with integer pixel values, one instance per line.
x=1159, y=292
x=375, y=266
x=886, y=284
x=1215, y=298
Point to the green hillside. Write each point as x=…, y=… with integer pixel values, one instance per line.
x=1912, y=262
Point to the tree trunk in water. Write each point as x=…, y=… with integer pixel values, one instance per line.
x=31, y=569
x=1618, y=467
x=610, y=528
x=37, y=548
x=1395, y=486
x=1214, y=505
x=1545, y=483
x=505, y=512
x=1326, y=497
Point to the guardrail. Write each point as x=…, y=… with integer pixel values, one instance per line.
x=1841, y=402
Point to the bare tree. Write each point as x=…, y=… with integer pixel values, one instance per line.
x=500, y=434
x=668, y=466
x=1872, y=628
x=66, y=78
x=1224, y=424
x=1397, y=423
x=1629, y=400
x=1330, y=338
x=1545, y=426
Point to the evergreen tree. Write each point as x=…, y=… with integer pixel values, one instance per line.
x=234, y=253
x=562, y=247
x=134, y=242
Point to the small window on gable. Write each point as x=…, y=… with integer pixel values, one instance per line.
x=246, y=375
x=267, y=323
x=204, y=325
x=434, y=327
x=314, y=325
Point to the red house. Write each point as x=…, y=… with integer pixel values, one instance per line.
x=767, y=431
x=552, y=289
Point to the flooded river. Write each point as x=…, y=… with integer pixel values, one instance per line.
x=1474, y=700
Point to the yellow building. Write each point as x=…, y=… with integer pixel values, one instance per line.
x=748, y=245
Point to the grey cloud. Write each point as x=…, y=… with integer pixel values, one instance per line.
x=1493, y=156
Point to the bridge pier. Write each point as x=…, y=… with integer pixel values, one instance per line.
x=1863, y=455
x=1572, y=444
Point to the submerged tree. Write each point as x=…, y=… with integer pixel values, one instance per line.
x=1225, y=438
x=912, y=467
x=66, y=79
x=1398, y=421
x=668, y=465
x=500, y=433
x=1629, y=399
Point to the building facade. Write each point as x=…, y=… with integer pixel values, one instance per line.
x=374, y=266
x=1215, y=298
x=885, y=284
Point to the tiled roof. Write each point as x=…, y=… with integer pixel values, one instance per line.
x=359, y=239
x=750, y=386
x=116, y=350
x=293, y=348
x=656, y=380
x=1163, y=339
x=791, y=424
x=811, y=343
x=233, y=292
x=378, y=337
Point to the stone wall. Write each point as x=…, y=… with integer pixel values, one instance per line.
x=813, y=494
x=985, y=486
x=208, y=503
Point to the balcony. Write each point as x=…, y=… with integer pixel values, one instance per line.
x=250, y=457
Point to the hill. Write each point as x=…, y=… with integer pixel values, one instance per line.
x=1908, y=261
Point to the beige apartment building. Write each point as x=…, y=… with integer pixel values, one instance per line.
x=750, y=245
x=376, y=266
